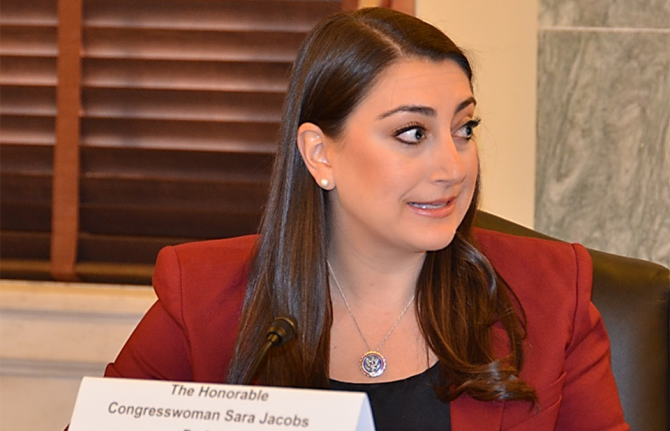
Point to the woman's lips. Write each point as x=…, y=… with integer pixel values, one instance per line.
x=437, y=209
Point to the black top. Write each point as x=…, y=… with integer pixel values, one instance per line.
x=404, y=405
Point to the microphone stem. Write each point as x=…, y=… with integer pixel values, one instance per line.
x=257, y=363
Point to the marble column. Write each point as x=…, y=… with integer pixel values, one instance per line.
x=603, y=155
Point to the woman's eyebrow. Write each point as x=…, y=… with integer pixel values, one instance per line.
x=417, y=109
x=425, y=110
x=464, y=104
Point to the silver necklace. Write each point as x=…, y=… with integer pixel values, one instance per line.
x=372, y=363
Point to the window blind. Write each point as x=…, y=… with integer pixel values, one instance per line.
x=179, y=104
x=28, y=54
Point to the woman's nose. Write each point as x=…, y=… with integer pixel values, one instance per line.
x=447, y=162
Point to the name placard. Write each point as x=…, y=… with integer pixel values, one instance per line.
x=111, y=404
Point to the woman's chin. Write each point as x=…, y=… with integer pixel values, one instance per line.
x=437, y=242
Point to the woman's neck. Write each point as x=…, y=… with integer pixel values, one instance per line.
x=384, y=279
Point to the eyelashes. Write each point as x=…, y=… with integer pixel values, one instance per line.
x=415, y=133
x=467, y=130
x=411, y=134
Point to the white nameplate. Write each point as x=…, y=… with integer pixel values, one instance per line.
x=147, y=405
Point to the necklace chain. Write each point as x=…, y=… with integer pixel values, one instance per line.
x=337, y=284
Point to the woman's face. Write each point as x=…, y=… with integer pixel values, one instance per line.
x=405, y=167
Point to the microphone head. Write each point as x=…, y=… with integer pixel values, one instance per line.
x=282, y=330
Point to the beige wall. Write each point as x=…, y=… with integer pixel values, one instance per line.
x=53, y=334
x=501, y=38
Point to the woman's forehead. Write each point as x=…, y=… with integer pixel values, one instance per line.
x=420, y=82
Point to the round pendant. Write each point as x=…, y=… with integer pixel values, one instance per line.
x=373, y=364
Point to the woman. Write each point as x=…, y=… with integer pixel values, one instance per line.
x=367, y=240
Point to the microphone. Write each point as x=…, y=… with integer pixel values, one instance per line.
x=281, y=330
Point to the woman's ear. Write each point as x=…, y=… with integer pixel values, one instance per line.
x=313, y=145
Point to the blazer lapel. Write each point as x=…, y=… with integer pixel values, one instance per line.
x=468, y=414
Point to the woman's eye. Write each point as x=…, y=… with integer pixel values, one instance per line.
x=467, y=130
x=410, y=135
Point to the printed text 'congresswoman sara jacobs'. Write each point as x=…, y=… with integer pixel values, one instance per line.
x=229, y=415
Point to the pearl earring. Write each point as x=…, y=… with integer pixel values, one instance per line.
x=324, y=182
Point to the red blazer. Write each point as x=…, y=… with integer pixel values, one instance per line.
x=189, y=333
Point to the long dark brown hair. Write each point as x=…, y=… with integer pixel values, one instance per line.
x=459, y=296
